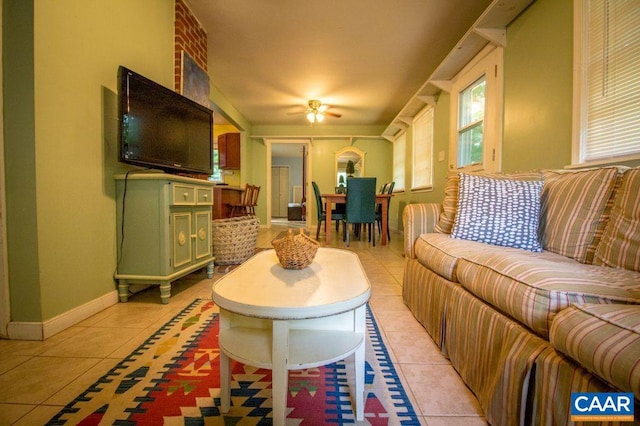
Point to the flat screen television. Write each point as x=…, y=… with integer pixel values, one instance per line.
x=161, y=129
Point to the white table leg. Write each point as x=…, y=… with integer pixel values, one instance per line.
x=225, y=367
x=279, y=372
x=225, y=383
x=359, y=355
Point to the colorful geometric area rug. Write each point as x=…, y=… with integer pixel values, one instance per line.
x=173, y=378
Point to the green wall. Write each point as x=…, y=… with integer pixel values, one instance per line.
x=538, y=89
x=61, y=149
x=19, y=167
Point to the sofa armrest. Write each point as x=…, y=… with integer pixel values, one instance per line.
x=418, y=219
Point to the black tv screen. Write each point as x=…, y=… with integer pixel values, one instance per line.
x=162, y=129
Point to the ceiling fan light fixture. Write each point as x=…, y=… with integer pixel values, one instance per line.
x=311, y=116
x=316, y=111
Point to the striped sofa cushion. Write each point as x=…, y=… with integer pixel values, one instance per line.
x=604, y=339
x=440, y=253
x=573, y=210
x=533, y=287
x=450, y=203
x=620, y=244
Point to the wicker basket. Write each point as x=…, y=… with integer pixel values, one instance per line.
x=295, y=251
x=234, y=239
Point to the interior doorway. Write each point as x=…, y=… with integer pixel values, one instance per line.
x=288, y=183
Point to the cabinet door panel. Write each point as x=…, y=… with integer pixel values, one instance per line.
x=203, y=233
x=181, y=239
x=229, y=151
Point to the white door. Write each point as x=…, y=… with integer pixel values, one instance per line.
x=279, y=191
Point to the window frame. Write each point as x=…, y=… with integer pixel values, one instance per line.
x=487, y=63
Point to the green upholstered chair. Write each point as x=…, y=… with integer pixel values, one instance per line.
x=322, y=216
x=361, y=205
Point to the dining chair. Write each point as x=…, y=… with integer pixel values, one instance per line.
x=253, y=203
x=322, y=216
x=360, y=205
x=243, y=207
x=387, y=188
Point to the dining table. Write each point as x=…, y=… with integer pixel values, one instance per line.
x=331, y=199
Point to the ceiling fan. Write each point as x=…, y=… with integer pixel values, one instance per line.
x=317, y=111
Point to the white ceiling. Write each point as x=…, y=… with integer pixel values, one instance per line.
x=365, y=58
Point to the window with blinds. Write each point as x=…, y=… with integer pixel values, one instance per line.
x=399, y=155
x=609, y=121
x=421, y=172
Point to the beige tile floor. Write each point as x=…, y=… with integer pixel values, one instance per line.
x=38, y=378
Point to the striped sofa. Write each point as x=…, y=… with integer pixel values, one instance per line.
x=526, y=329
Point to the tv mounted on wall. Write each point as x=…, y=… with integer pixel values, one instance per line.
x=162, y=129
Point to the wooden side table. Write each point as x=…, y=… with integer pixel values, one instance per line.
x=280, y=319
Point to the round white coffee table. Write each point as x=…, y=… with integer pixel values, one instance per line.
x=281, y=319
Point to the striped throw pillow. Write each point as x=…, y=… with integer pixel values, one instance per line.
x=620, y=244
x=574, y=211
x=502, y=212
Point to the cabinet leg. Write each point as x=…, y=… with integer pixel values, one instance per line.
x=165, y=291
x=210, y=270
x=123, y=290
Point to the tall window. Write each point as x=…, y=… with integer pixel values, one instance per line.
x=399, y=154
x=421, y=172
x=476, y=113
x=471, y=123
x=607, y=98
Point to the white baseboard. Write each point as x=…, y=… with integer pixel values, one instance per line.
x=43, y=330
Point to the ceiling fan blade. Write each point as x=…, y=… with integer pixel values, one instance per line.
x=333, y=114
x=296, y=113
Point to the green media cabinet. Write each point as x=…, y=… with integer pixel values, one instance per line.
x=164, y=229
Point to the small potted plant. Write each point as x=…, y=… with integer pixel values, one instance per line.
x=351, y=168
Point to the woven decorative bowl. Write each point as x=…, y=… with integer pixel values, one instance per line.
x=295, y=251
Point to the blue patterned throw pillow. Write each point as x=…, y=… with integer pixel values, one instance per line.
x=502, y=212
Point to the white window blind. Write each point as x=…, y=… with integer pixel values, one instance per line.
x=612, y=71
x=399, y=155
x=422, y=149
